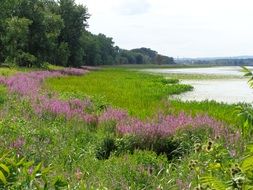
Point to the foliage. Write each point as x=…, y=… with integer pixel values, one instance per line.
x=246, y=111
x=239, y=175
x=105, y=148
x=142, y=56
x=16, y=173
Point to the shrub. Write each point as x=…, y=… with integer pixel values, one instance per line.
x=26, y=59
x=105, y=148
x=169, y=81
x=129, y=143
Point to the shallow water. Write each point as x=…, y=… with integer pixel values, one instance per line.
x=228, y=90
x=229, y=70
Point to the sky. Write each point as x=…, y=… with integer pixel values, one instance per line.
x=178, y=28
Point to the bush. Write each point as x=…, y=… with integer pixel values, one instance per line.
x=166, y=146
x=105, y=148
x=26, y=59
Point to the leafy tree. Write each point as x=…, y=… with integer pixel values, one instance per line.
x=7, y=7
x=16, y=38
x=37, y=38
x=75, y=22
x=106, y=48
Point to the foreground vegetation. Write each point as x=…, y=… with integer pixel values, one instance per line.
x=65, y=135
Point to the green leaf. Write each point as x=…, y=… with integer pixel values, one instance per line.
x=3, y=178
x=60, y=183
x=214, y=183
x=37, y=169
x=46, y=170
x=250, y=148
x=246, y=71
x=247, y=163
x=5, y=168
x=21, y=162
x=4, y=156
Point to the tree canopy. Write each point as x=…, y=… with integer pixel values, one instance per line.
x=37, y=32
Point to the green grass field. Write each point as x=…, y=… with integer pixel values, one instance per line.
x=139, y=93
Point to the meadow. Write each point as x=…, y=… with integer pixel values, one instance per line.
x=139, y=93
x=116, y=129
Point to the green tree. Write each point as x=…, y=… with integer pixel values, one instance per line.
x=75, y=22
x=41, y=43
x=16, y=38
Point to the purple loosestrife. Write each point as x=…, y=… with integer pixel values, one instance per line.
x=18, y=143
x=111, y=114
x=73, y=71
x=167, y=125
x=29, y=85
x=161, y=127
x=69, y=109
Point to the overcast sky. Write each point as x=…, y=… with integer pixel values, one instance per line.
x=178, y=28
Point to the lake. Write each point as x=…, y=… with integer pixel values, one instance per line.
x=228, y=90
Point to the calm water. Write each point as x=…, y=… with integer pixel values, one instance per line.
x=221, y=90
x=229, y=91
x=234, y=71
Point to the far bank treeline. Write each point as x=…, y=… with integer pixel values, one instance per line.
x=37, y=32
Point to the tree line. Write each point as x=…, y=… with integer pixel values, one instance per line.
x=38, y=32
x=218, y=61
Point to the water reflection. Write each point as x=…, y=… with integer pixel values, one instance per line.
x=229, y=91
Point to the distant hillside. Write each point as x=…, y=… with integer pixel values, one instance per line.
x=143, y=56
x=226, y=61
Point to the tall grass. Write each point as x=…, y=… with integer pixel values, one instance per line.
x=221, y=111
x=139, y=93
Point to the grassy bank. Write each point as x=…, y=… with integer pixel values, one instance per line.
x=221, y=111
x=139, y=93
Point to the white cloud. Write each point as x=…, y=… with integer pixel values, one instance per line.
x=185, y=28
x=132, y=7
